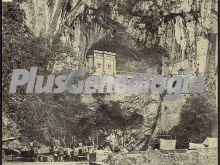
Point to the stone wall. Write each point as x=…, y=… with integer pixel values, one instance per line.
x=159, y=157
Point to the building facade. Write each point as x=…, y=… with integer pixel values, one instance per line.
x=103, y=62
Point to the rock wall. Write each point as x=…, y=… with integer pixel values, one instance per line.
x=183, y=29
x=63, y=19
x=180, y=157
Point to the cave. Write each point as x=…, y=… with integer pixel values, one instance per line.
x=131, y=60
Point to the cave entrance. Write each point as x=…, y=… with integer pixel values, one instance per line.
x=117, y=57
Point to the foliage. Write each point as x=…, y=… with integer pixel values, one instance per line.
x=44, y=118
x=195, y=120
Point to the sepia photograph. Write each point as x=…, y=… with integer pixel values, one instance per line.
x=109, y=82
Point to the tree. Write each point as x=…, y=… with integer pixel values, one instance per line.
x=43, y=118
x=195, y=120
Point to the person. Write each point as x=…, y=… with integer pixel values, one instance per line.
x=76, y=154
x=31, y=145
x=52, y=151
x=60, y=154
x=35, y=153
x=68, y=154
x=72, y=155
x=55, y=154
x=34, y=147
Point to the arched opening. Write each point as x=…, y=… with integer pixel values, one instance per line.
x=129, y=59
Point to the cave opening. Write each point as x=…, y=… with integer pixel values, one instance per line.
x=131, y=58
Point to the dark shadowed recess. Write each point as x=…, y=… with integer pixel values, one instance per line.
x=125, y=52
x=108, y=117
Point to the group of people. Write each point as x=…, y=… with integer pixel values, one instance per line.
x=56, y=152
x=64, y=154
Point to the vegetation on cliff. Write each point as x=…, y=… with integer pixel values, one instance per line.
x=42, y=117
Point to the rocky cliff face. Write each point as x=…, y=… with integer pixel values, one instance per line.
x=183, y=28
